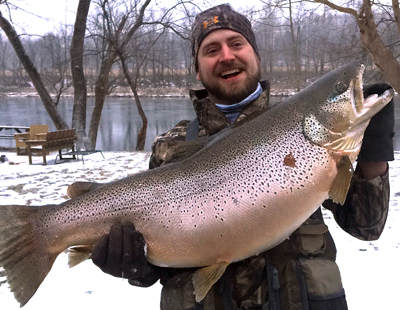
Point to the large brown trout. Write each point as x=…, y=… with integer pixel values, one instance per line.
x=246, y=191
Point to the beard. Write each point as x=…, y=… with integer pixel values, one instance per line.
x=234, y=93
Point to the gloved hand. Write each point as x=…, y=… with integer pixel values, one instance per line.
x=121, y=253
x=377, y=144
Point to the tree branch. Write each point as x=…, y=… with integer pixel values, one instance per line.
x=396, y=11
x=337, y=7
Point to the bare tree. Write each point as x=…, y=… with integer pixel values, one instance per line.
x=285, y=24
x=32, y=72
x=116, y=34
x=133, y=84
x=53, y=50
x=141, y=137
x=3, y=59
x=371, y=39
x=78, y=75
x=267, y=34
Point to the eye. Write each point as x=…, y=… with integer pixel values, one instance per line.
x=210, y=51
x=341, y=87
x=237, y=44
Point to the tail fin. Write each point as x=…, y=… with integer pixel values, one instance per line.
x=25, y=264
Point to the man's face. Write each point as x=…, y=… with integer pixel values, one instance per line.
x=228, y=66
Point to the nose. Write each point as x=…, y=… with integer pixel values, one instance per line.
x=227, y=54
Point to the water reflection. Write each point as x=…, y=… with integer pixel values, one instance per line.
x=120, y=122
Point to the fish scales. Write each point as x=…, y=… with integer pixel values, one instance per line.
x=182, y=209
x=245, y=192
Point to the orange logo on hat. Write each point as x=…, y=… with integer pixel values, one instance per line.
x=213, y=21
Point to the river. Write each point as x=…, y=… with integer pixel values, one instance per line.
x=120, y=121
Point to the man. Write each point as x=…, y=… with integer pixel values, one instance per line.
x=301, y=272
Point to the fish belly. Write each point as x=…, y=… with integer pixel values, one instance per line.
x=251, y=208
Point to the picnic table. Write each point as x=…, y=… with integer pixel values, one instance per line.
x=18, y=129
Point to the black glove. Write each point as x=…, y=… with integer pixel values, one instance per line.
x=121, y=253
x=377, y=144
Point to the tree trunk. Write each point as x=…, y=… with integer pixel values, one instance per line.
x=141, y=137
x=100, y=92
x=295, y=51
x=33, y=73
x=382, y=56
x=78, y=76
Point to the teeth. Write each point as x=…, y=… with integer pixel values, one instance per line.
x=230, y=72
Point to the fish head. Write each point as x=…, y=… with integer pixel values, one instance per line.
x=339, y=114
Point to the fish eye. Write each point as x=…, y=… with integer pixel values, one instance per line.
x=341, y=87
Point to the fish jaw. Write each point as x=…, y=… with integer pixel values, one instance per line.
x=373, y=104
x=340, y=122
x=348, y=142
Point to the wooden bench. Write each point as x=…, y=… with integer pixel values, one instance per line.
x=35, y=132
x=54, y=140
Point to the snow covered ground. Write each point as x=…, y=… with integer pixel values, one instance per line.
x=370, y=270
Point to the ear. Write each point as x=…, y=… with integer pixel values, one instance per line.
x=198, y=76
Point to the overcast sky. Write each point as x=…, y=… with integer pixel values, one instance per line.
x=41, y=16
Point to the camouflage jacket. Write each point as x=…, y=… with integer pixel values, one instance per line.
x=301, y=271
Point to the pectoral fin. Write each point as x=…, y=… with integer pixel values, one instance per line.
x=341, y=184
x=205, y=278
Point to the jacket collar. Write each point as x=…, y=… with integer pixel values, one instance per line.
x=213, y=120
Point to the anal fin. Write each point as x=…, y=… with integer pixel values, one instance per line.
x=205, y=278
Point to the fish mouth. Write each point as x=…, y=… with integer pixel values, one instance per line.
x=357, y=98
x=375, y=102
x=365, y=108
x=349, y=138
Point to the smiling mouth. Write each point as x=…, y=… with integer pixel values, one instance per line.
x=231, y=73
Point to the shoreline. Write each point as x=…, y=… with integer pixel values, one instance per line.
x=123, y=93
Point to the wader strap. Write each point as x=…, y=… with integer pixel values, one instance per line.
x=198, y=306
x=274, y=302
x=226, y=289
x=192, y=131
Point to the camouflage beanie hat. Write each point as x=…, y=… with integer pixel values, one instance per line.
x=220, y=17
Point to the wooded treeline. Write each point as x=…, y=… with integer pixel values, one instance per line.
x=137, y=45
x=323, y=40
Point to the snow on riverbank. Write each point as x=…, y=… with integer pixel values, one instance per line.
x=370, y=270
